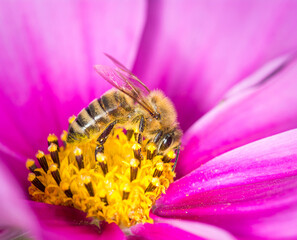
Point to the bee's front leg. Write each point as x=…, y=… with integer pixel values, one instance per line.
x=177, y=155
x=141, y=129
x=139, y=123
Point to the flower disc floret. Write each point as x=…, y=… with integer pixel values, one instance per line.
x=119, y=184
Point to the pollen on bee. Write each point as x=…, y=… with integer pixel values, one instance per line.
x=115, y=182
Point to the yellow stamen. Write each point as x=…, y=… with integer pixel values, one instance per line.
x=159, y=169
x=134, y=163
x=89, y=186
x=66, y=188
x=137, y=151
x=169, y=156
x=118, y=181
x=71, y=119
x=153, y=185
x=64, y=137
x=101, y=159
x=42, y=160
x=53, y=149
x=36, y=182
x=30, y=163
x=55, y=173
x=52, y=138
x=151, y=150
x=126, y=191
x=79, y=157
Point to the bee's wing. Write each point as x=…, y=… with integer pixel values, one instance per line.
x=122, y=79
x=132, y=79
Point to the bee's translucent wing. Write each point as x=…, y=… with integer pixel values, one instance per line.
x=132, y=79
x=122, y=79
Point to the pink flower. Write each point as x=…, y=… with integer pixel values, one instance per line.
x=230, y=70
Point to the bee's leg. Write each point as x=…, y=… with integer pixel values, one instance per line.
x=138, y=131
x=158, y=136
x=141, y=129
x=104, y=135
x=176, y=158
x=99, y=157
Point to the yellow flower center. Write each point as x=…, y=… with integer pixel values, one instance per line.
x=120, y=185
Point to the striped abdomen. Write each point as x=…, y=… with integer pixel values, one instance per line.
x=110, y=106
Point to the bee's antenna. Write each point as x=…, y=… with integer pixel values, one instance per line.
x=177, y=155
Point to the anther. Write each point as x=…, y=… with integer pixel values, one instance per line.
x=55, y=173
x=153, y=185
x=151, y=151
x=89, y=186
x=137, y=151
x=53, y=149
x=169, y=157
x=71, y=119
x=126, y=191
x=159, y=169
x=101, y=159
x=42, y=161
x=52, y=138
x=79, y=157
x=30, y=164
x=103, y=197
x=36, y=182
x=136, y=134
x=64, y=137
x=134, y=163
x=66, y=188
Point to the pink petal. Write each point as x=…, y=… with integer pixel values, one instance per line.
x=59, y=222
x=161, y=231
x=16, y=218
x=264, y=227
x=47, y=55
x=196, y=50
x=179, y=229
x=254, y=114
x=15, y=163
x=246, y=191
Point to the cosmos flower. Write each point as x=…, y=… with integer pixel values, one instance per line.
x=230, y=69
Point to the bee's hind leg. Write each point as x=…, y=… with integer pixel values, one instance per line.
x=99, y=157
x=103, y=137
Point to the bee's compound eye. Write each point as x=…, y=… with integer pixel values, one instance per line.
x=166, y=142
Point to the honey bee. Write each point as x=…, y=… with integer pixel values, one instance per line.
x=130, y=105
